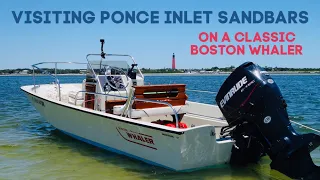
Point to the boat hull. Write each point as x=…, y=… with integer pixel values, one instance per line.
x=175, y=149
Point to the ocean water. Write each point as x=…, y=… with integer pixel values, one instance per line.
x=30, y=148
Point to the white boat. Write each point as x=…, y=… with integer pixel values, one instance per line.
x=113, y=109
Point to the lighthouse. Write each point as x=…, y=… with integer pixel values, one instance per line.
x=173, y=61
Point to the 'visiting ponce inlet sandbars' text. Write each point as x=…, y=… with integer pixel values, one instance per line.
x=165, y=17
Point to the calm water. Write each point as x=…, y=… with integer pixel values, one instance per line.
x=30, y=148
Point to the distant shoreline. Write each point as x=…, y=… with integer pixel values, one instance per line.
x=183, y=74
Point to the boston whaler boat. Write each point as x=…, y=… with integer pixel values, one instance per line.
x=113, y=109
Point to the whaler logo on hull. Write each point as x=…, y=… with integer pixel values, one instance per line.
x=37, y=101
x=233, y=90
x=137, y=138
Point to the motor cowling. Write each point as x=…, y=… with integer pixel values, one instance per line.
x=256, y=112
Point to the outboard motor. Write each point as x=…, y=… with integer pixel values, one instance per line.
x=258, y=121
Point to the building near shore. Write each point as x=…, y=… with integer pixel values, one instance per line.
x=24, y=72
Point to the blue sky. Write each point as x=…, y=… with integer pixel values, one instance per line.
x=151, y=44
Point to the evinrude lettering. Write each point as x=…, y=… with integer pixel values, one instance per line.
x=233, y=90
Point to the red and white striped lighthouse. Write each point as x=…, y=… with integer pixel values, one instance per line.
x=173, y=61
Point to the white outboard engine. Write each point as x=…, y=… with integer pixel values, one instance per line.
x=258, y=121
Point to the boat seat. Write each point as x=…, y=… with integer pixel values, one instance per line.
x=158, y=111
x=173, y=94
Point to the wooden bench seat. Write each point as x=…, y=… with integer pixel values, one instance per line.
x=173, y=94
x=170, y=93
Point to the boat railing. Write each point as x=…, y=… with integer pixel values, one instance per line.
x=201, y=91
x=134, y=99
x=117, y=55
x=54, y=76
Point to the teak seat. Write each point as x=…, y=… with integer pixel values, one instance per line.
x=173, y=94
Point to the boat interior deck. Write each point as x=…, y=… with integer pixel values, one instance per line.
x=190, y=114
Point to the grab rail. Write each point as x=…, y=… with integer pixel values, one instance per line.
x=201, y=91
x=53, y=76
x=35, y=66
x=134, y=99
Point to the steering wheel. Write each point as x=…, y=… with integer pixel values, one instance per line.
x=115, y=82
